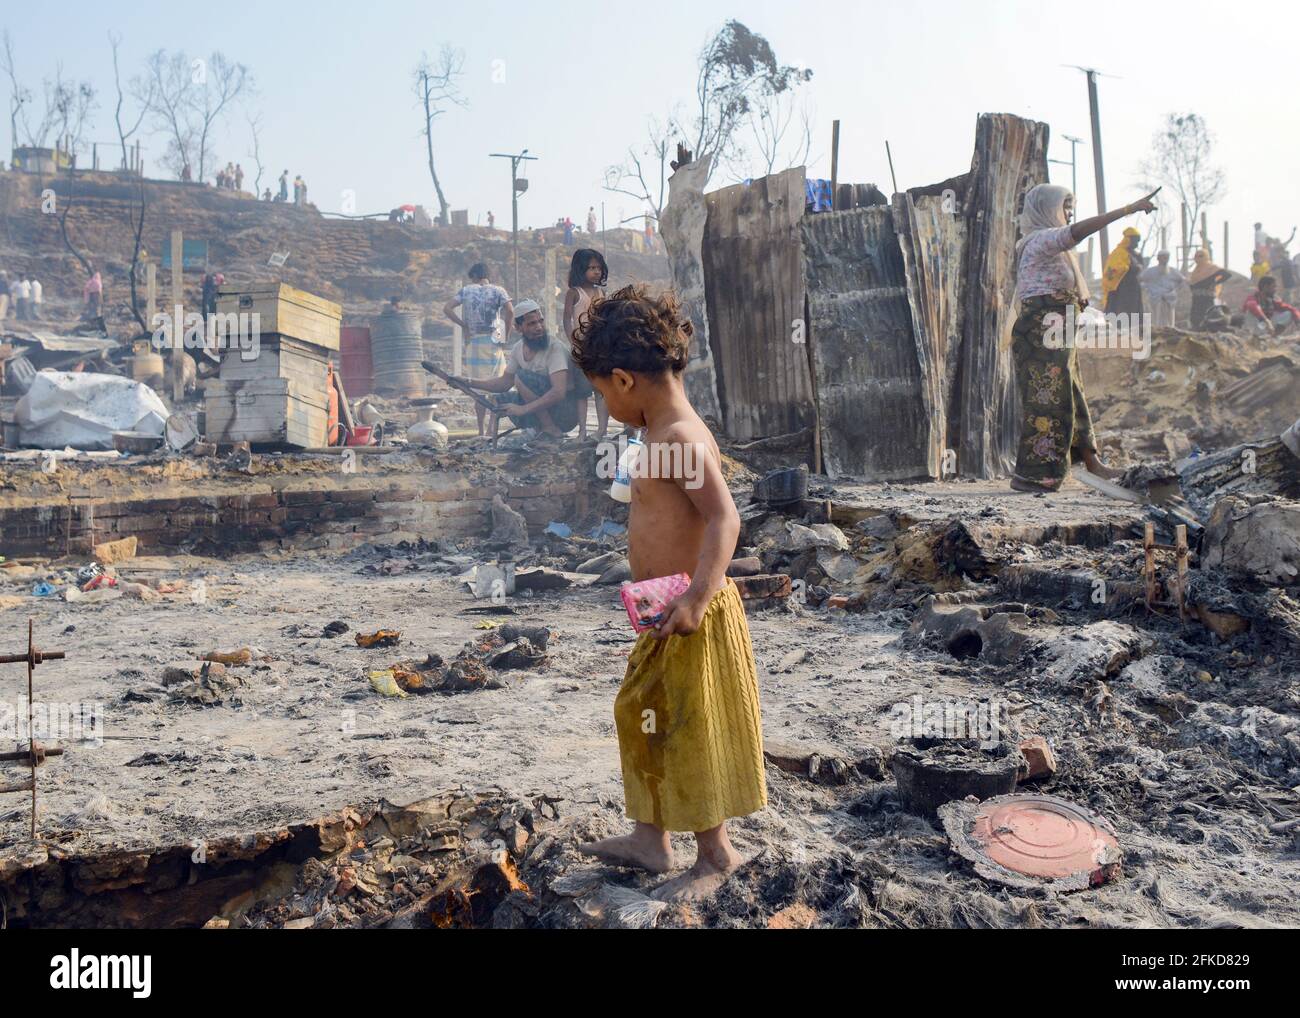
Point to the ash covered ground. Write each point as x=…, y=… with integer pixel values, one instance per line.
x=1186, y=742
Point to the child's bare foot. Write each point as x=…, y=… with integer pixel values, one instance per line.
x=647, y=847
x=701, y=880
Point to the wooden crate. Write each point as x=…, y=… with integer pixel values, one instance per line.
x=285, y=311
x=265, y=411
x=279, y=357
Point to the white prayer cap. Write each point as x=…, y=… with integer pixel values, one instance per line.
x=524, y=307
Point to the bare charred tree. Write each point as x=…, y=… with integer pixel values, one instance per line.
x=166, y=88
x=255, y=129
x=223, y=82
x=643, y=174
x=135, y=260
x=67, y=105
x=125, y=133
x=780, y=127
x=737, y=69
x=436, y=89
x=188, y=98
x=19, y=95
x=63, y=224
x=1180, y=159
x=739, y=82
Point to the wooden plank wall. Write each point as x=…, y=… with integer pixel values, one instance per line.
x=874, y=422
x=931, y=231
x=754, y=286
x=1010, y=158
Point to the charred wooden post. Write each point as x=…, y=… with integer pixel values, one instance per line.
x=1149, y=567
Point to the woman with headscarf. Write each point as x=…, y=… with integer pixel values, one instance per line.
x=1051, y=290
x=1205, y=282
x=1121, y=283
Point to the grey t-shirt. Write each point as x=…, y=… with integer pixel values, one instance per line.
x=554, y=358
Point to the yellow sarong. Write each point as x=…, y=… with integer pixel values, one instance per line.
x=689, y=732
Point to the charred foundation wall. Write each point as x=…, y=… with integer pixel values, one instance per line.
x=261, y=518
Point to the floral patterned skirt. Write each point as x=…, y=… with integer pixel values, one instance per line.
x=1055, y=424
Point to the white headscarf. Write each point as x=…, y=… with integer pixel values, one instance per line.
x=1045, y=210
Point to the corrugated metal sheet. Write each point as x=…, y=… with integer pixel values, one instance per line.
x=874, y=422
x=753, y=274
x=908, y=314
x=1010, y=157
x=931, y=229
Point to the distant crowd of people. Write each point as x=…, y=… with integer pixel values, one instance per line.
x=299, y=190
x=231, y=178
x=1128, y=282
x=25, y=295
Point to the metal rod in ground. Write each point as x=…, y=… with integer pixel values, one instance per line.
x=31, y=665
x=890, y=156
x=24, y=754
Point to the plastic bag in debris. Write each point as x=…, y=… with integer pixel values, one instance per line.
x=384, y=682
x=83, y=409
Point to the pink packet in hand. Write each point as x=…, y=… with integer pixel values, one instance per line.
x=645, y=600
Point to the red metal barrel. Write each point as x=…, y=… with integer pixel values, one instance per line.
x=356, y=366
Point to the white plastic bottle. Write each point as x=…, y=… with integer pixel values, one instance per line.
x=621, y=489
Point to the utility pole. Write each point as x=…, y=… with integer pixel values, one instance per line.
x=178, y=319
x=1187, y=237
x=1095, y=114
x=518, y=185
x=1074, y=164
x=835, y=164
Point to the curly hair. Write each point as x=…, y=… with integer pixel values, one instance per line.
x=634, y=330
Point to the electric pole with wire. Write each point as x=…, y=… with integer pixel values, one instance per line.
x=518, y=185
x=1094, y=113
x=1073, y=164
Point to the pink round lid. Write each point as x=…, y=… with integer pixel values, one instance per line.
x=1042, y=836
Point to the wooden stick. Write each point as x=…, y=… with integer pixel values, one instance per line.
x=456, y=383
x=1149, y=546
x=1180, y=543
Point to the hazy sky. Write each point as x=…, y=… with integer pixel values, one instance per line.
x=334, y=87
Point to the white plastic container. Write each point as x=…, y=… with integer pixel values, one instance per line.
x=621, y=489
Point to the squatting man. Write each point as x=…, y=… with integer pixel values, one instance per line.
x=540, y=389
